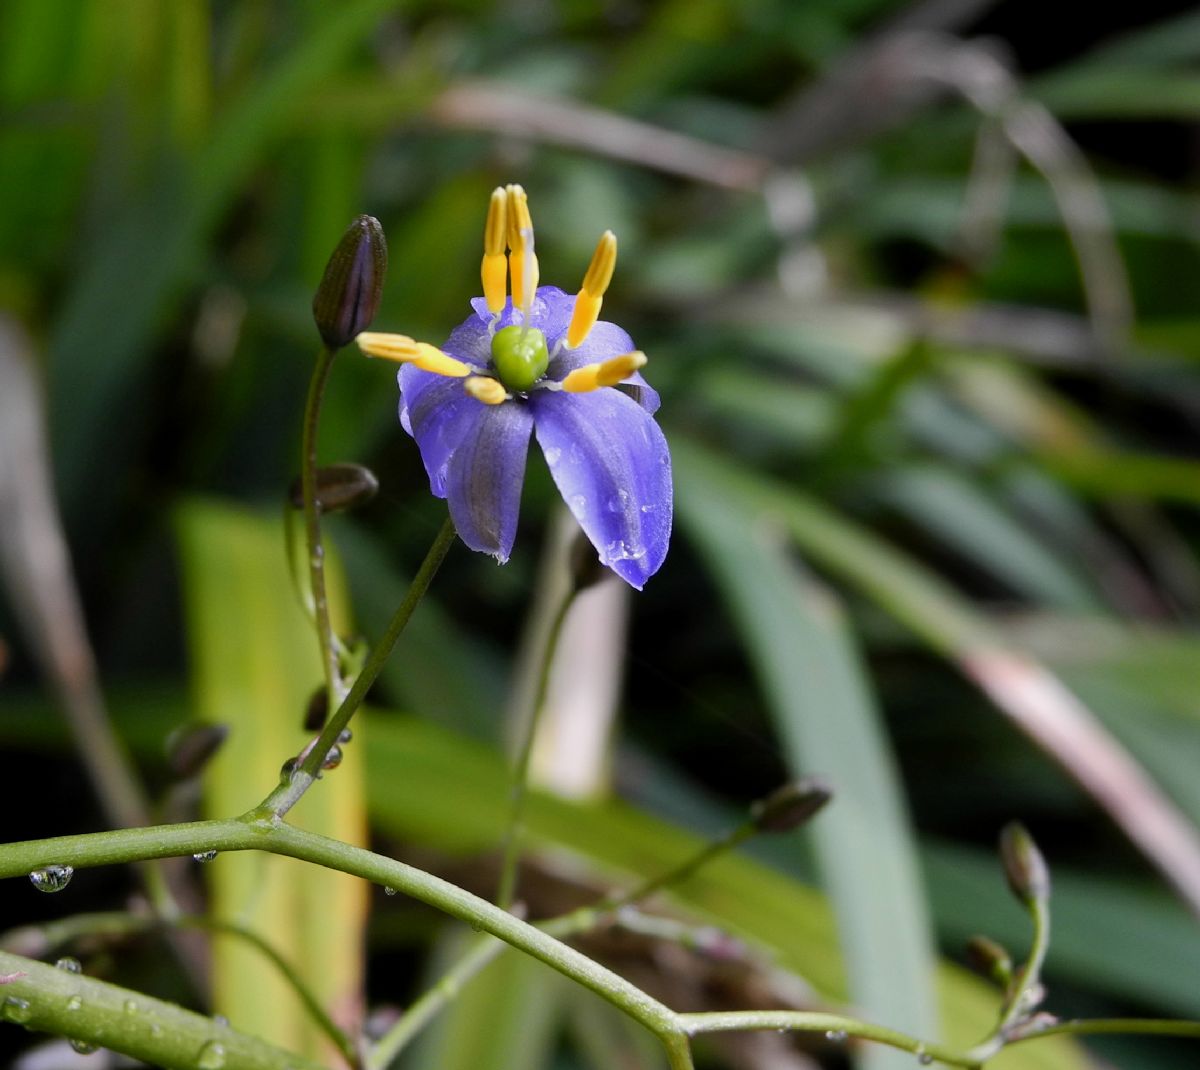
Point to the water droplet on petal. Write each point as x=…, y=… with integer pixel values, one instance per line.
x=333, y=759
x=81, y=1046
x=204, y=856
x=212, y=1056
x=552, y=455
x=52, y=878
x=69, y=964
x=15, y=1009
x=578, y=503
x=74, y=1003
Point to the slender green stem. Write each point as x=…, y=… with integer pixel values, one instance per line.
x=1024, y=984
x=41, y=940
x=312, y=525
x=1162, y=1027
x=834, y=1026
x=268, y=833
x=567, y=925
x=284, y=797
x=529, y=727
x=419, y=1014
x=49, y=1000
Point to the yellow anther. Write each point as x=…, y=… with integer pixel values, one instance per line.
x=403, y=350
x=522, y=259
x=494, y=270
x=605, y=373
x=600, y=270
x=483, y=388
x=591, y=294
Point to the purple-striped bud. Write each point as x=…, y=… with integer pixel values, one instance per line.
x=340, y=486
x=988, y=959
x=1024, y=867
x=348, y=298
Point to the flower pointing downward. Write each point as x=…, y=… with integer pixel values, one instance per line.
x=540, y=362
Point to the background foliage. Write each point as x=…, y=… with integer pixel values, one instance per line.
x=918, y=287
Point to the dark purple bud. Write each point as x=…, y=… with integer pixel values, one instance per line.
x=790, y=806
x=988, y=959
x=339, y=487
x=1024, y=866
x=191, y=746
x=317, y=711
x=350, y=290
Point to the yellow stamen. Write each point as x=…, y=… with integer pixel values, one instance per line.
x=483, y=388
x=522, y=260
x=403, y=350
x=494, y=269
x=591, y=294
x=605, y=373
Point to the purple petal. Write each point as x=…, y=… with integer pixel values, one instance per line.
x=485, y=473
x=439, y=414
x=604, y=341
x=613, y=469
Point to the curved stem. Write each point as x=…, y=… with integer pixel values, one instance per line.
x=44, y=939
x=284, y=797
x=833, y=1025
x=529, y=727
x=312, y=525
x=50, y=1000
x=419, y=1014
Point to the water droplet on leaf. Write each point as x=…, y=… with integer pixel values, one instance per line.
x=52, y=878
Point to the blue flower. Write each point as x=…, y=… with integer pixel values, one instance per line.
x=541, y=364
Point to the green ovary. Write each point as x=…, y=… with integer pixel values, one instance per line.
x=520, y=356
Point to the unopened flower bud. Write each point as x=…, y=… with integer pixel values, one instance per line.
x=348, y=298
x=791, y=806
x=988, y=959
x=338, y=487
x=1024, y=866
x=316, y=713
x=191, y=746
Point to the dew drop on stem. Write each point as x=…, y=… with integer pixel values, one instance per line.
x=69, y=964
x=204, y=856
x=82, y=1047
x=15, y=1009
x=211, y=1056
x=53, y=878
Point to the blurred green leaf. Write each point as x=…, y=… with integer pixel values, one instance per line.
x=825, y=713
x=255, y=664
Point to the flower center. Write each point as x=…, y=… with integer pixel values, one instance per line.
x=520, y=356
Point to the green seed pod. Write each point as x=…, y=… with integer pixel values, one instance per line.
x=790, y=806
x=348, y=298
x=988, y=959
x=1024, y=866
x=339, y=487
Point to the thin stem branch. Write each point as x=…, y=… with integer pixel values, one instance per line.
x=419, y=1014
x=44, y=939
x=50, y=1000
x=529, y=728
x=288, y=793
x=1162, y=1027
x=312, y=525
x=832, y=1025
